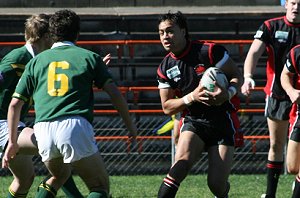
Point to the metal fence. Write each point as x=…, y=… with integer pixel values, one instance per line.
x=154, y=155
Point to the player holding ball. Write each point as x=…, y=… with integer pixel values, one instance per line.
x=210, y=122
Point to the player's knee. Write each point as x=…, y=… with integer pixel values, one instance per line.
x=292, y=169
x=180, y=169
x=25, y=181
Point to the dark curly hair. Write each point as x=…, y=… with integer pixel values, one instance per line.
x=176, y=18
x=64, y=25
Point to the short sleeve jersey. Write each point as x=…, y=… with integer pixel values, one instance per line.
x=61, y=81
x=11, y=68
x=293, y=64
x=183, y=73
x=280, y=36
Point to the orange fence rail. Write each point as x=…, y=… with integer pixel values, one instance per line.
x=132, y=43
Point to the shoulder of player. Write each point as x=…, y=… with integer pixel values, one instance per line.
x=275, y=19
x=16, y=56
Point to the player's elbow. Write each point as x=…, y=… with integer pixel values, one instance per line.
x=167, y=111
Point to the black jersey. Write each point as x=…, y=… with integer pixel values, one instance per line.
x=280, y=36
x=183, y=73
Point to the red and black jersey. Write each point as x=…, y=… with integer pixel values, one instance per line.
x=293, y=65
x=183, y=73
x=280, y=36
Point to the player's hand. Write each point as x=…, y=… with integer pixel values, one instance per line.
x=249, y=84
x=218, y=96
x=10, y=152
x=200, y=95
x=107, y=59
x=294, y=96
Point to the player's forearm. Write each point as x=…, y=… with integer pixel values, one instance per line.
x=13, y=118
x=173, y=106
x=286, y=82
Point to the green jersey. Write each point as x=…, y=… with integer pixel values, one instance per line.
x=61, y=82
x=11, y=68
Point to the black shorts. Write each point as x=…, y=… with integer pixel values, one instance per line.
x=295, y=134
x=277, y=109
x=218, y=131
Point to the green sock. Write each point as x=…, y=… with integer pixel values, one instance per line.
x=12, y=194
x=70, y=189
x=101, y=194
x=45, y=191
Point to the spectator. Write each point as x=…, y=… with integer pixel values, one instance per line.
x=277, y=36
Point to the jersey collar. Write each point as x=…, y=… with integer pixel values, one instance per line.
x=29, y=49
x=64, y=43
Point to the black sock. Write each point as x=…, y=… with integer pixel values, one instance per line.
x=168, y=188
x=296, y=191
x=226, y=192
x=274, y=170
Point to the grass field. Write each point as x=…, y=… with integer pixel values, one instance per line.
x=194, y=186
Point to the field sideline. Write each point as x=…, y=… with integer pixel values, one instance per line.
x=194, y=186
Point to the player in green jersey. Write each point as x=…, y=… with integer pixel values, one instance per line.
x=61, y=81
x=11, y=69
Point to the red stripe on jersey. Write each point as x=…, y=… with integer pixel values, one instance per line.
x=297, y=178
x=289, y=23
x=293, y=117
x=210, y=53
x=293, y=59
x=161, y=74
x=268, y=22
x=270, y=70
x=185, y=52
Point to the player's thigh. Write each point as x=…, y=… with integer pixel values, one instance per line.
x=220, y=160
x=58, y=168
x=293, y=157
x=189, y=147
x=278, y=130
x=27, y=142
x=93, y=172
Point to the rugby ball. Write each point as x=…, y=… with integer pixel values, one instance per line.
x=211, y=75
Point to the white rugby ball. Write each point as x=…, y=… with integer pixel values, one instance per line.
x=213, y=74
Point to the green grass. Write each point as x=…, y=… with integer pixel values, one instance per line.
x=194, y=186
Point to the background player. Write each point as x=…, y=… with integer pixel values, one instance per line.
x=66, y=75
x=278, y=36
x=292, y=87
x=204, y=126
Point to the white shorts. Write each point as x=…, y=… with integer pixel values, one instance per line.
x=71, y=138
x=4, y=133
